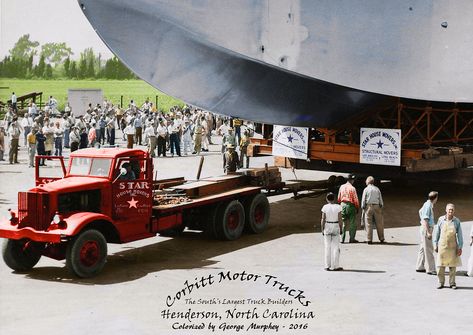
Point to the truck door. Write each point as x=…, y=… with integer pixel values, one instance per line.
x=51, y=169
x=132, y=197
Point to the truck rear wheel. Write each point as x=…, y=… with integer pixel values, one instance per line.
x=86, y=254
x=257, y=213
x=212, y=219
x=230, y=221
x=21, y=255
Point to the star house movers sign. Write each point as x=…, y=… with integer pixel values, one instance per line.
x=290, y=142
x=380, y=146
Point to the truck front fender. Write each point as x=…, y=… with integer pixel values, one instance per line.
x=78, y=221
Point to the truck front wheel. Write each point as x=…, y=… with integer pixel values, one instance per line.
x=86, y=254
x=230, y=221
x=21, y=255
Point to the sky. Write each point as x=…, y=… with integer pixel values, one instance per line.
x=47, y=21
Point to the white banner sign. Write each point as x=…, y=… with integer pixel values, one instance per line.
x=290, y=142
x=380, y=146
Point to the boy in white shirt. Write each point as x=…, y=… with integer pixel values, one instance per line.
x=331, y=224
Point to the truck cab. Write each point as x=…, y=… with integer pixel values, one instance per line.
x=107, y=191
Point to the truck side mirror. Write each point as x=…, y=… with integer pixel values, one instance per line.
x=122, y=173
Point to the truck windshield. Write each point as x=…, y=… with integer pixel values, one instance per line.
x=85, y=166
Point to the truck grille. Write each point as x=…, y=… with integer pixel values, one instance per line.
x=33, y=210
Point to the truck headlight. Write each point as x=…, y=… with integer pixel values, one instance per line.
x=58, y=220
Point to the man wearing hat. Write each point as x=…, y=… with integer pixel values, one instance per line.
x=348, y=198
x=230, y=160
x=14, y=134
x=187, y=137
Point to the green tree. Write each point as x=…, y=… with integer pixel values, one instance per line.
x=67, y=67
x=55, y=53
x=109, y=70
x=90, y=69
x=82, y=71
x=73, y=70
x=24, y=48
x=30, y=63
x=40, y=68
x=48, y=73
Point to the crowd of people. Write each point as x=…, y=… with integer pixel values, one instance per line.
x=187, y=131
x=445, y=236
x=180, y=132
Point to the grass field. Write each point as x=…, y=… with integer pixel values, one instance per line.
x=138, y=90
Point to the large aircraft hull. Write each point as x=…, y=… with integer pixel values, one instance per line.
x=293, y=62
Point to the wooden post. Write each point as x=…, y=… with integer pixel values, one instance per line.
x=266, y=175
x=121, y=101
x=156, y=103
x=200, y=167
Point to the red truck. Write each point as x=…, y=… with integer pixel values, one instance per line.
x=109, y=196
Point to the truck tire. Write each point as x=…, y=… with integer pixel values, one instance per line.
x=230, y=221
x=21, y=255
x=257, y=213
x=212, y=220
x=86, y=254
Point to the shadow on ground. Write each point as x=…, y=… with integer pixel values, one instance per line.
x=192, y=250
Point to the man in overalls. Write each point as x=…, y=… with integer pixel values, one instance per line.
x=448, y=243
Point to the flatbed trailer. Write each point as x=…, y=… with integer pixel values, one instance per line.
x=109, y=196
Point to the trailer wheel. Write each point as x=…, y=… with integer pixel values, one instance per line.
x=86, y=254
x=257, y=213
x=21, y=255
x=212, y=219
x=230, y=221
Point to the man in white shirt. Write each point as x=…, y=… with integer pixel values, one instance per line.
x=145, y=107
x=14, y=101
x=205, y=133
x=32, y=110
x=187, y=137
x=58, y=137
x=150, y=138
x=26, y=123
x=129, y=132
x=174, y=130
x=161, y=132
x=331, y=224
x=52, y=103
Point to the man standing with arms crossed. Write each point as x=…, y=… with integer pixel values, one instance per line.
x=425, y=257
x=348, y=198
